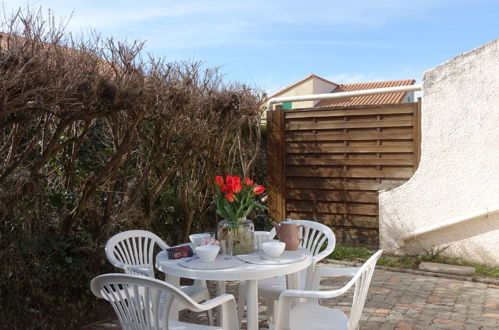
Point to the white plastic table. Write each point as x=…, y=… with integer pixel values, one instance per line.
x=250, y=273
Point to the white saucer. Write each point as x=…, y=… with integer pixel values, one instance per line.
x=221, y=262
x=260, y=258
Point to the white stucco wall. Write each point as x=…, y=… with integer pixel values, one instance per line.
x=309, y=86
x=459, y=169
x=322, y=87
x=409, y=97
x=304, y=88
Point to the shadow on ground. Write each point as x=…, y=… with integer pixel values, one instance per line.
x=399, y=301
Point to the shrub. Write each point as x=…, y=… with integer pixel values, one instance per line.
x=95, y=139
x=44, y=280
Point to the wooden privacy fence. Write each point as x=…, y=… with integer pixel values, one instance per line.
x=329, y=164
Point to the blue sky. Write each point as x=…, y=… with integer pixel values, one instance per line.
x=271, y=44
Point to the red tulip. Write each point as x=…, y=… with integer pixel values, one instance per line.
x=225, y=188
x=229, y=197
x=236, y=179
x=219, y=181
x=236, y=187
x=248, y=182
x=257, y=190
x=228, y=179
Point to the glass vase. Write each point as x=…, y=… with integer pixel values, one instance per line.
x=236, y=237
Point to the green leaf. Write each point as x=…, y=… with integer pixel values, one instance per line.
x=248, y=211
x=230, y=211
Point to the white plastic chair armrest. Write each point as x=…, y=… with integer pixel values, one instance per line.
x=313, y=294
x=162, y=245
x=217, y=301
x=336, y=271
x=325, y=271
x=323, y=254
x=183, y=244
x=137, y=269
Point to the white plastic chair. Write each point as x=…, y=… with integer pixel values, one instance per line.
x=311, y=316
x=316, y=238
x=139, y=303
x=133, y=251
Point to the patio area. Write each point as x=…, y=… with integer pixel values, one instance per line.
x=122, y=173
x=399, y=300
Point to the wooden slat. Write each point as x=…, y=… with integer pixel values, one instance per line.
x=349, y=124
x=385, y=155
x=324, y=184
x=295, y=159
x=303, y=171
x=326, y=145
x=332, y=195
x=396, y=143
x=355, y=236
x=296, y=136
x=366, y=221
x=348, y=149
x=402, y=109
x=329, y=207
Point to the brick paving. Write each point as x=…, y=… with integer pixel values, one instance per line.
x=410, y=302
x=405, y=301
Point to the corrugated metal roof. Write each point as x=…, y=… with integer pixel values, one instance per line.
x=388, y=98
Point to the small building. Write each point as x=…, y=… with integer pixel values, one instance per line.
x=313, y=84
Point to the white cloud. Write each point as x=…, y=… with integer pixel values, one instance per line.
x=182, y=23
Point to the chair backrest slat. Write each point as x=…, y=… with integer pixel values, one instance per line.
x=121, y=252
x=362, y=284
x=316, y=237
x=304, y=241
x=112, y=295
x=138, y=301
x=319, y=244
x=140, y=253
x=134, y=248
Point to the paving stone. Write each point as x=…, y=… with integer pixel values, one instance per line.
x=402, y=301
x=403, y=325
x=471, y=327
x=446, y=269
x=491, y=315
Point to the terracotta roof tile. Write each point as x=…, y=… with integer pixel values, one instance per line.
x=9, y=41
x=389, y=98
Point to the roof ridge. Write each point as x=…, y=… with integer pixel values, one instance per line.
x=312, y=75
x=411, y=82
x=324, y=79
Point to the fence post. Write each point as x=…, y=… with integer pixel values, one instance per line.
x=276, y=151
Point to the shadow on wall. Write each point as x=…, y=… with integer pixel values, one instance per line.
x=458, y=233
